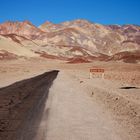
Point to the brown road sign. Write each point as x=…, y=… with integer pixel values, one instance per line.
x=97, y=70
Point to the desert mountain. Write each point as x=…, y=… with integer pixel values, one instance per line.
x=25, y=29
x=71, y=39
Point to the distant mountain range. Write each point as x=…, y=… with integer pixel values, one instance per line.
x=78, y=39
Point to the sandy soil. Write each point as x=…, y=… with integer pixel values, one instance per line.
x=78, y=107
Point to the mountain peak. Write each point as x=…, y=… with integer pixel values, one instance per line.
x=24, y=28
x=49, y=26
x=81, y=20
x=76, y=22
x=27, y=22
x=47, y=23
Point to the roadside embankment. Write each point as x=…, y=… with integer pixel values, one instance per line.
x=22, y=104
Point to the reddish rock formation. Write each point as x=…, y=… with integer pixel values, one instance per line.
x=78, y=60
x=78, y=38
x=128, y=57
x=5, y=55
x=24, y=28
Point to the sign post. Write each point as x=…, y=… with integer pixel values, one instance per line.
x=96, y=72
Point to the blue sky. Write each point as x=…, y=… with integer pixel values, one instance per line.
x=99, y=11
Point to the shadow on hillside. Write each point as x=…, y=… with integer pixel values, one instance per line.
x=22, y=105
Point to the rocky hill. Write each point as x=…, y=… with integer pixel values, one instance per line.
x=71, y=39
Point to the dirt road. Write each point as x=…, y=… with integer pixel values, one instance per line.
x=77, y=108
x=70, y=114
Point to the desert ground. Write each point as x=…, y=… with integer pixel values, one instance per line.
x=66, y=104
